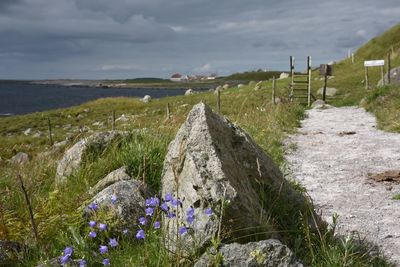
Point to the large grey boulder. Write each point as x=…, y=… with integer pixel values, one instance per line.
x=130, y=202
x=72, y=159
x=211, y=161
x=330, y=91
x=113, y=177
x=20, y=158
x=269, y=252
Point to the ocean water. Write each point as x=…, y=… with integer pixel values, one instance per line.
x=23, y=97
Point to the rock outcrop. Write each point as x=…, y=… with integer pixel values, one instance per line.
x=394, y=77
x=269, y=252
x=72, y=159
x=212, y=161
x=189, y=92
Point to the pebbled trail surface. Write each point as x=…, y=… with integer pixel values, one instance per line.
x=334, y=155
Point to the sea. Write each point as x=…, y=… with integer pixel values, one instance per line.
x=24, y=97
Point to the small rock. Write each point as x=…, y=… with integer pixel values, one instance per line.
x=269, y=252
x=86, y=110
x=28, y=131
x=284, y=75
x=37, y=134
x=122, y=118
x=20, y=158
x=113, y=177
x=189, y=92
x=130, y=203
x=225, y=86
x=146, y=99
x=318, y=103
x=80, y=116
x=240, y=85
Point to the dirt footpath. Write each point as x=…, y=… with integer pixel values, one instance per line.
x=334, y=156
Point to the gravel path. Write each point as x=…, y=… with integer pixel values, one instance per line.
x=332, y=155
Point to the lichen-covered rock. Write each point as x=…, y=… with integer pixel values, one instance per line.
x=269, y=252
x=72, y=159
x=129, y=204
x=211, y=161
x=113, y=177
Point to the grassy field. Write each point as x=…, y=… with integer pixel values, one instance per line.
x=58, y=212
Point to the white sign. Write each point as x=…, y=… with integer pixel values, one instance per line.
x=374, y=63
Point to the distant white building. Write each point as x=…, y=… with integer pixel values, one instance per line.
x=177, y=77
x=212, y=76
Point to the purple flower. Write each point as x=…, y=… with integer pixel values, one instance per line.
x=92, y=224
x=168, y=197
x=114, y=198
x=64, y=260
x=149, y=211
x=68, y=251
x=93, y=206
x=92, y=234
x=103, y=249
x=190, y=212
x=102, y=226
x=157, y=225
x=182, y=230
x=152, y=202
x=113, y=242
x=142, y=220
x=170, y=215
x=125, y=231
x=140, y=234
x=164, y=206
x=175, y=202
x=106, y=262
x=82, y=263
x=209, y=212
x=190, y=219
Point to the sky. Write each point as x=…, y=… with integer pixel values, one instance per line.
x=115, y=39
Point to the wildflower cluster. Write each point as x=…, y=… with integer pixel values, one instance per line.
x=156, y=210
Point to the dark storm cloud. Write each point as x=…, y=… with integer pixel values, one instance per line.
x=131, y=38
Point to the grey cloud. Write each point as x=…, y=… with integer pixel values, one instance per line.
x=125, y=38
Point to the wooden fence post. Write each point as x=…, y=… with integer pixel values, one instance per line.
x=113, y=120
x=218, y=101
x=382, y=75
x=388, y=65
x=273, y=90
x=168, y=112
x=50, y=131
x=325, y=82
x=28, y=203
x=366, y=78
